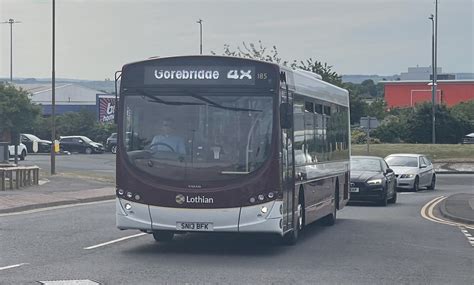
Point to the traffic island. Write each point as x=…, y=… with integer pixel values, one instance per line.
x=459, y=208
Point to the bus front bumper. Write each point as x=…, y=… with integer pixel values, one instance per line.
x=260, y=218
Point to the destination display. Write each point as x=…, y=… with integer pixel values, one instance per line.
x=199, y=75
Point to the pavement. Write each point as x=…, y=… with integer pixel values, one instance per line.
x=66, y=189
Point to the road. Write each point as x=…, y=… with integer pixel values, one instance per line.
x=368, y=245
x=91, y=165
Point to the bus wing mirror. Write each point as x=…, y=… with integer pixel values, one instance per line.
x=286, y=118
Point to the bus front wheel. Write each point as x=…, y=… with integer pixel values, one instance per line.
x=291, y=237
x=163, y=236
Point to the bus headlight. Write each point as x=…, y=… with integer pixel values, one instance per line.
x=261, y=197
x=271, y=195
x=252, y=200
x=264, y=209
x=129, y=195
x=120, y=192
x=128, y=207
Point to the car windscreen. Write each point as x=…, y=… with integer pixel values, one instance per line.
x=32, y=137
x=365, y=164
x=198, y=136
x=407, y=161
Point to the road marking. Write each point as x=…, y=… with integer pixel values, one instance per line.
x=115, y=240
x=54, y=208
x=69, y=282
x=427, y=213
x=12, y=266
x=469, y=237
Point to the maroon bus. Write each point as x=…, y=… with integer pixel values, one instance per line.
x=223, y=144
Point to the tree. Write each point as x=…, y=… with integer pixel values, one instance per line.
x=377, y=109
x=449, y=128
x=260, y=52
x=254, y=51
x=320, y=68
x=464, y=111
x=17, y=112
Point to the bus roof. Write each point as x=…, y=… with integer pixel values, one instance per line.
x=310, y=84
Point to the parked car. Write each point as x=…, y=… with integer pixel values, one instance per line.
x=468, y=139
x=80, y=144
x=111, y=144
x=22, y=151
x=412, y=171
x=28, y=139
x=372, y=180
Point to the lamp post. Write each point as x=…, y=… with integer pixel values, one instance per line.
x=11, y=22
x=200, y=33
x=433, y=81
x=53, y=98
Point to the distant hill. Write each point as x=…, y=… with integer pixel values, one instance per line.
x=359, y=78
x=107, y=86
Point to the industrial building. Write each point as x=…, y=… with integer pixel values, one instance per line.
x=408, y=93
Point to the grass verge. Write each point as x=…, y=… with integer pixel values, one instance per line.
x=437, y=152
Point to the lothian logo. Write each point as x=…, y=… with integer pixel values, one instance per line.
x=180, y=199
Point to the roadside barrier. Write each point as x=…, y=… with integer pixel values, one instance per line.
x=18, y=176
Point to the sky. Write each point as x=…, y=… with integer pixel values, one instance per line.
x=95, y=38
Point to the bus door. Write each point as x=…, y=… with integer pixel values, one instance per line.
x=288, y=169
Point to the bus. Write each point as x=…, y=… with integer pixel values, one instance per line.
x=224, y=144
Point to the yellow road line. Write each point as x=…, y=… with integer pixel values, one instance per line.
x=427, y=213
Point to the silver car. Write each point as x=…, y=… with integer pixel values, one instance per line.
x=412, y=171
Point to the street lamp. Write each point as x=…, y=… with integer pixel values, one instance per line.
x=53, y=97
x=200, y=32
x=11, y=22
x=433, y=82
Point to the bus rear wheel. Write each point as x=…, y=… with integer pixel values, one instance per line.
x=163, y=236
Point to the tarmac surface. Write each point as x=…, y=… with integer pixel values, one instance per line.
x=63, y=190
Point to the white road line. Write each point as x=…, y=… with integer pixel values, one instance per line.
x=114, y=241
x=12, y=266
x=469, y=237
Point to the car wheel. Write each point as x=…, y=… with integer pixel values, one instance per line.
x=433, y=183
x=416, y=184
x=23, y=155
x=393, y=200
x=88, y=150
x=113, y=149
x=163, y=236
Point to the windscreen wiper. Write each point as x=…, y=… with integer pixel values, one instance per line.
x=157, y=100
x=214, y=104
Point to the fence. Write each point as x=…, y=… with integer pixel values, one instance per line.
x=18, y=176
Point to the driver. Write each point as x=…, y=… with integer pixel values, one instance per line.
x=165, y=141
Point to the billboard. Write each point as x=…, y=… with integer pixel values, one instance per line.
x=106, y=105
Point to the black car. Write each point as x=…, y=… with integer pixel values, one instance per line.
x=372, y=180
x=111, y=144
x=29, y=139
x=80, y=144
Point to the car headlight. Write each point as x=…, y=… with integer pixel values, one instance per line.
x=374, y=182
x=407, y=175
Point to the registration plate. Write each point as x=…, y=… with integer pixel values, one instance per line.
x=354, y=189
x=194, y=226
